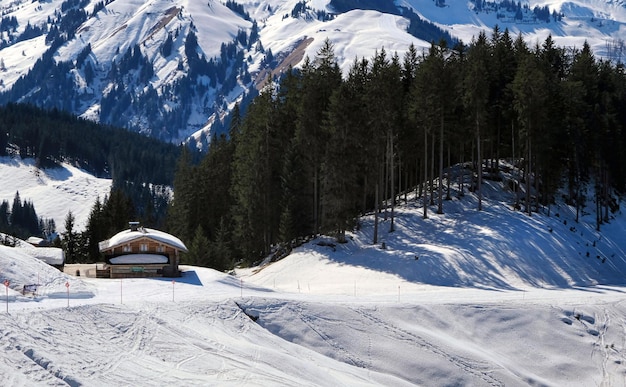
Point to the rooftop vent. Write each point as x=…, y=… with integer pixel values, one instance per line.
x=134, y=226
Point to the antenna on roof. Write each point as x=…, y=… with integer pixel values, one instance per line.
x=134, y=226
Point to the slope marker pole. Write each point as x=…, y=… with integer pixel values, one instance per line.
x=67, y=285
x=6, y=285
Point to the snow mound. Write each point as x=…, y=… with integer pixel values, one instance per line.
x=496, y=248
x=22, y=269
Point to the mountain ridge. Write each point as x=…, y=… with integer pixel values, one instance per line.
x=174, y=70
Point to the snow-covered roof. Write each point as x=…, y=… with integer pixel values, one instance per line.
x=50, y=255
x=35, y=241
x=134, y=259
x=127, y=236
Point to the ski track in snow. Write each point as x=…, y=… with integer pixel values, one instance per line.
x=484, y=305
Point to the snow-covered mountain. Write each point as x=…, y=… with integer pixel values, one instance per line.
x=174, y=68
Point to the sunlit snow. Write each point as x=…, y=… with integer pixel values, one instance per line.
x=468, y=297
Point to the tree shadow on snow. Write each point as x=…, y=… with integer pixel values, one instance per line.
x=189, y=277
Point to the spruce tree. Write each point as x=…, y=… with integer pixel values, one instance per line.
x=96, y=231
x=199, y=249
x=476, y=98
x=256, y=181
x=583, y=78
x=340, y=168
x=70, y=240
x=529, y=99
x=182, y=217
x=501, y=72
x=319, y=80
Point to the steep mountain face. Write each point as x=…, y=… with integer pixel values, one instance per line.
x=173, y=69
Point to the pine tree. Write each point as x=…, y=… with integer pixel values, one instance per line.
x=70, y=240
x=529, y=101
x=117, y=210
x=319, y=80
x=476, y=98
x=4, y=216
x=340, y=168
x=181, y=212
x=256, y=181
x=221, y=249
x=501, y=115
x=410, y=139
x=551, y=154
x=436, y=97
x=199, y=249
x=212, y=185
x=583, y=79
x=96, y=231
x=16, y=216
x=384, y=101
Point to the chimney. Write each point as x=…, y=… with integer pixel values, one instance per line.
x=134, y=226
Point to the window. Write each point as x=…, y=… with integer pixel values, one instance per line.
x=126, y=249
x=144, y=247
x=161, y=249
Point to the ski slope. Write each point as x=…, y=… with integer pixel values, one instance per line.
x=494, y=298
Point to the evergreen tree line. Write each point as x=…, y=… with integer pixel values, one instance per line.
x=141, y=167
x=20, y=220
x=51, y=137
x=108, y=216
x=316, y=150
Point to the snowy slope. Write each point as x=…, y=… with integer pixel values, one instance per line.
x=496, y=248
x=495, y=298
x=594, y=21
x=54, y=192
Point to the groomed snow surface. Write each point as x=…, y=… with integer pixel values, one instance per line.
x=465, y=298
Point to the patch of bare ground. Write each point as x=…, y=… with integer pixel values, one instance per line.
x=167, y=17
x=290, y=59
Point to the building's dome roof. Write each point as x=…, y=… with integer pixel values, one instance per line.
x=127, y=236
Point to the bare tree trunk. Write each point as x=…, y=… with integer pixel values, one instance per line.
x=432, y=171
x=364, y=198
x=375, y=240
x=528, y=174
x=480, y=168
x=316, y=202
x=606, y=195
x=385, y=177
x=424, y=201
x=448, y=179
x=598, y=198
x=517, y=182
x=418, y=180
x=462, y=172
x=406, y=185
x=392, y=180
x=440, y=185
x=400, y=182
x=536, y=181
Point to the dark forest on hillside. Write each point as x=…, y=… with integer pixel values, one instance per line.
x=54, y=136
x=317, y=150
x=139, y=166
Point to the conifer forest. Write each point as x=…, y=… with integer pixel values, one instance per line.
x=315, y=149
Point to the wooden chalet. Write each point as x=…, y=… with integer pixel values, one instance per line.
x=141, y=252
